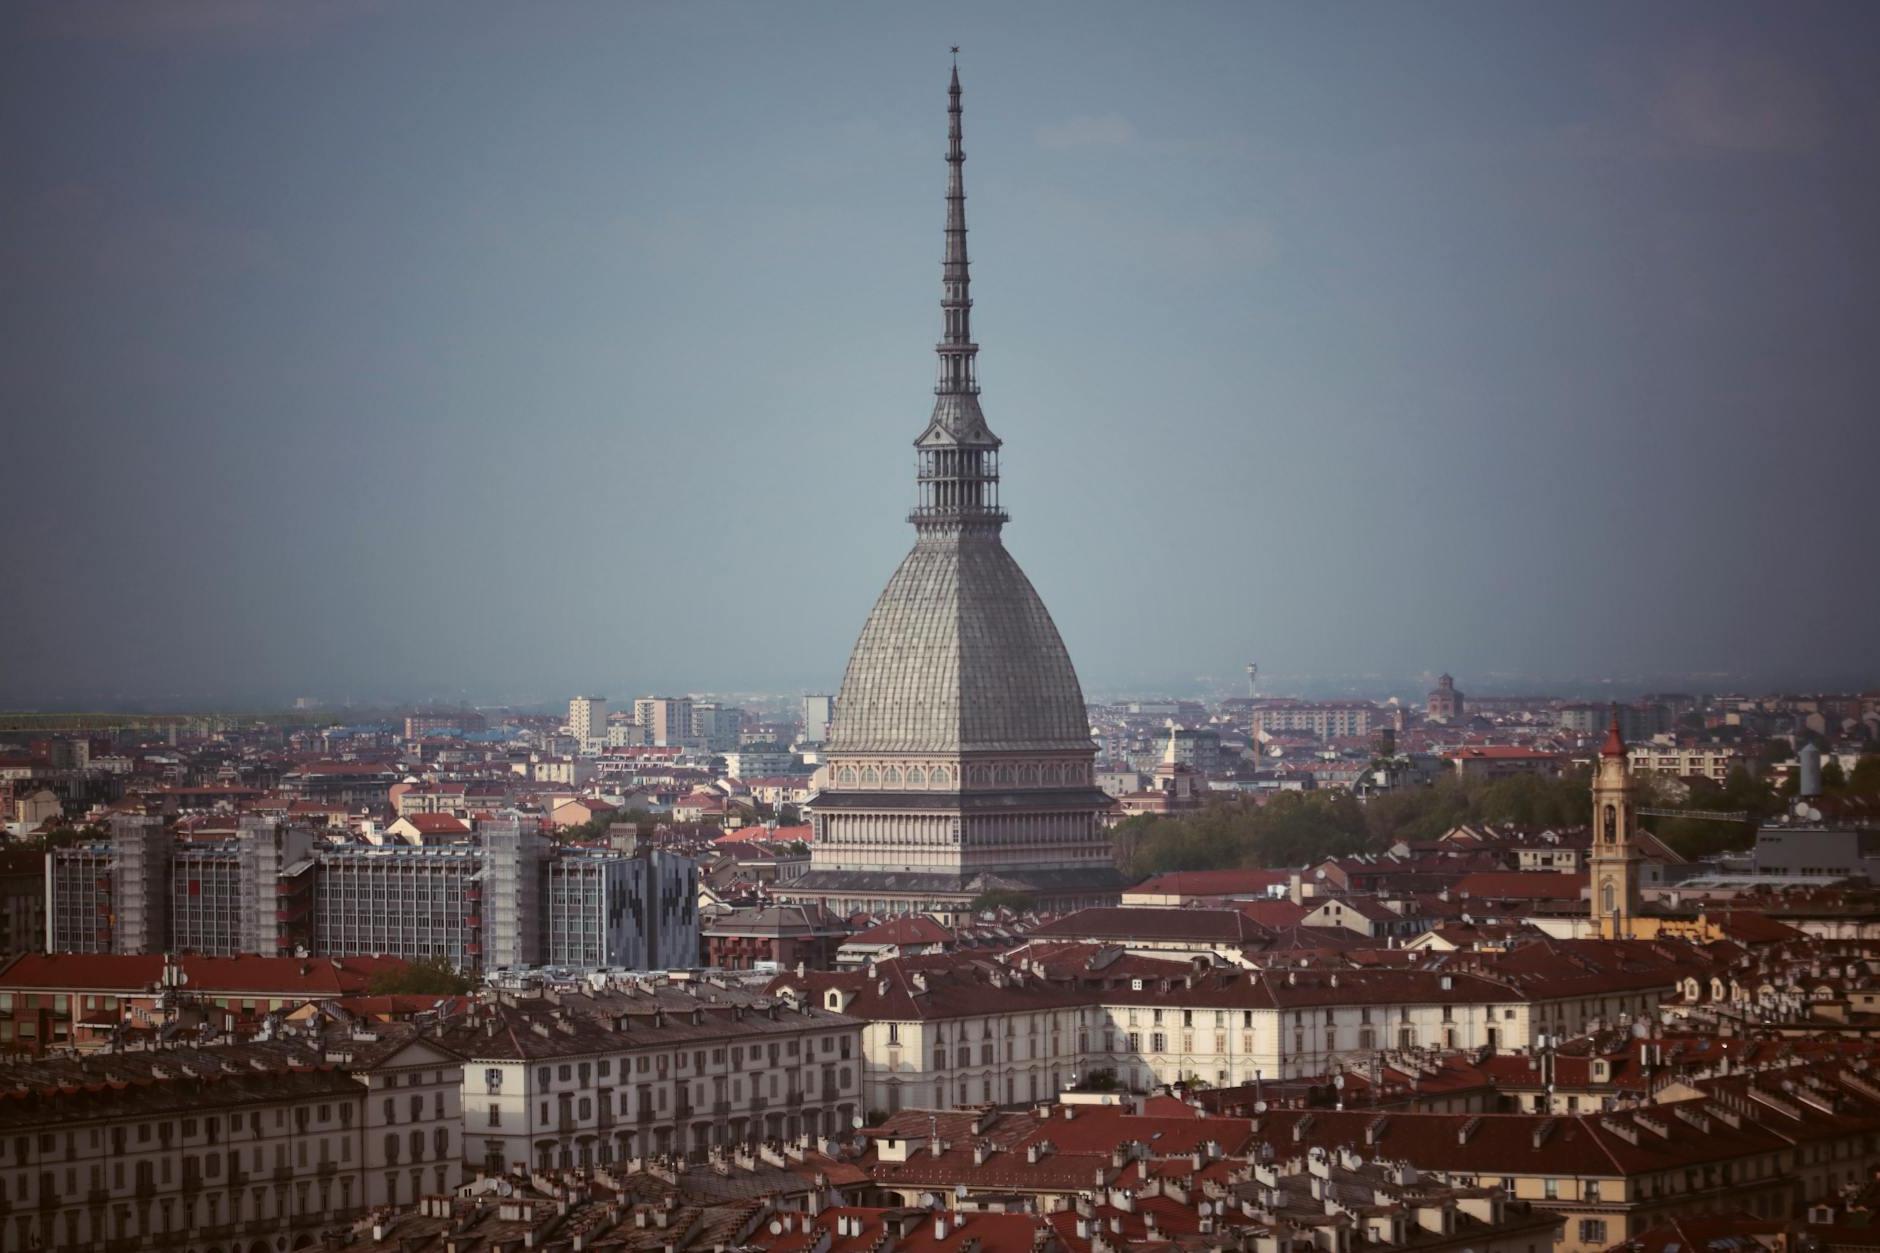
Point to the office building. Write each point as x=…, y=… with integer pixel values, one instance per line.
x=514, y=900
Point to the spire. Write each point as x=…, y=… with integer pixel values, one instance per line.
x=959, y=454
x=956, y=348
x=1615, y=738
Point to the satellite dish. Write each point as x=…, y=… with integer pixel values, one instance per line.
x=776, y=1228
x=1259, y=1107
x=927, y=1200
x=1206, y=1208
x=1338, y=1081
x=959, y=1190
x=856, y=1122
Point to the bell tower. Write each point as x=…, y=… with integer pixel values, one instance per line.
x=1615, y=861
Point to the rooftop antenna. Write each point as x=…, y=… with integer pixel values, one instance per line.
x=1253, y=679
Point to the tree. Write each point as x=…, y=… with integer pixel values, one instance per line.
x=432, y=976
x=1864, y=779
x=1006, y=898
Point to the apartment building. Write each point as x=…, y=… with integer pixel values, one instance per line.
x=1764, y=1143
x=948, y=1032
x=230, y=1146
x=582, y=1079
x=664, y=721
x=83, y=1000
x=587, y=721
x=1333, y=720
x=1703, y=761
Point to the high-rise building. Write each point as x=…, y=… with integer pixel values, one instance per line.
x=818, y=712
x=960, y=759
x=716, y=726
x=587, y=721
x=665, y=721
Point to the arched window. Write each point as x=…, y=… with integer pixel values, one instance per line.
x=1606, y=898
x=1612, y=824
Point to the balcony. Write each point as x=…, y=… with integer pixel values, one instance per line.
x=282, y=1174
x=328, y=1168
x=97, y=1196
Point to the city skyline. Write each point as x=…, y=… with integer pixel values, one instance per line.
x=551, y=357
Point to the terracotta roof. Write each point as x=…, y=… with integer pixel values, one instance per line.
x=271, y=976
x=1523, y=885
x=1210, y=926
x=1213, y=882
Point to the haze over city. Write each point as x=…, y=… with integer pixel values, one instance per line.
x=489, y=352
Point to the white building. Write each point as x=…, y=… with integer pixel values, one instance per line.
x=587, y=722
x=580, y=1078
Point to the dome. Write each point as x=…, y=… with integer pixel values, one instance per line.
x=959, y=655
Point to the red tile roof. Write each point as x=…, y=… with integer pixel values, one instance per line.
x=312, y=977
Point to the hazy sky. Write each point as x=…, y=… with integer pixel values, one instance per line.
x=509, y=350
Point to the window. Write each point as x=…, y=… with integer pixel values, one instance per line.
x=1593, y=1231
x=1590, y=1190
x=1550, y=1189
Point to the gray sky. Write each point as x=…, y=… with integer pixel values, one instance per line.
x=503, y=350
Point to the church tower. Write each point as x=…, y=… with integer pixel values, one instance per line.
x=1615, y=861
x=960, y=761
